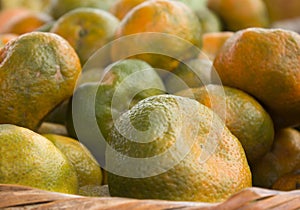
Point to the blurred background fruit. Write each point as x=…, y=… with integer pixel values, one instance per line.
x=287, y=182
x=243, y=115
x=9, y=15
x=153, y=128
x=33, y=5
x=60, y=7
x=265, y=64
x=209, y=21
x=194, y=4
x=6, y=37
x=237, y=14
x=25, y=23
x=38, y=71
x=213, y=42
x=29, y=159
x=283, y=9
x=121, y=7
x=86, y=29
x=87, y=169
x=282, y=159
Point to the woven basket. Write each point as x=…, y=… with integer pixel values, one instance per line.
x=19, y=197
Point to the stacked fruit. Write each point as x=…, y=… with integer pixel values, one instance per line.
x=163, y=99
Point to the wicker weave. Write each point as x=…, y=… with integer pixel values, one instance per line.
x=19, y=197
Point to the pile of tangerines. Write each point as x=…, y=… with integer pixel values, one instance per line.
x=241, y=67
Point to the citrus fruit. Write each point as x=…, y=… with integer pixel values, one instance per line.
x=28, y=158
x=59, y=8
x=210, y=22
x=287, y=182
x=6, y=37
x=86, y=29
x=237, y=15
x=90, y=75
x=172, y=19
x=33, y=5
x=212, y=43
x=243, y=116
x=53, y=128
x=59, y=114
x=282, y=159
x=38, y=71
x=25, y=23
x=46, y=27
x=158, y=151
x=189, y=74
x=8, y=15
x=121, y=7
x=125, y=82
x=87, y=169
x=194, y=4
x=265, y=64
x=282, y=10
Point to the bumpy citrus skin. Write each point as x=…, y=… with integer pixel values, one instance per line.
x=242, y=114
x=28, y=158
x=37, y=72
x=161, y=16
x=86, y=29
x=265, y=63
x=175, y=120
x=87, y=169
x=121, y=7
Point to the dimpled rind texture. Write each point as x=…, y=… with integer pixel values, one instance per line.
x=185, y=121
x=37, y=72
